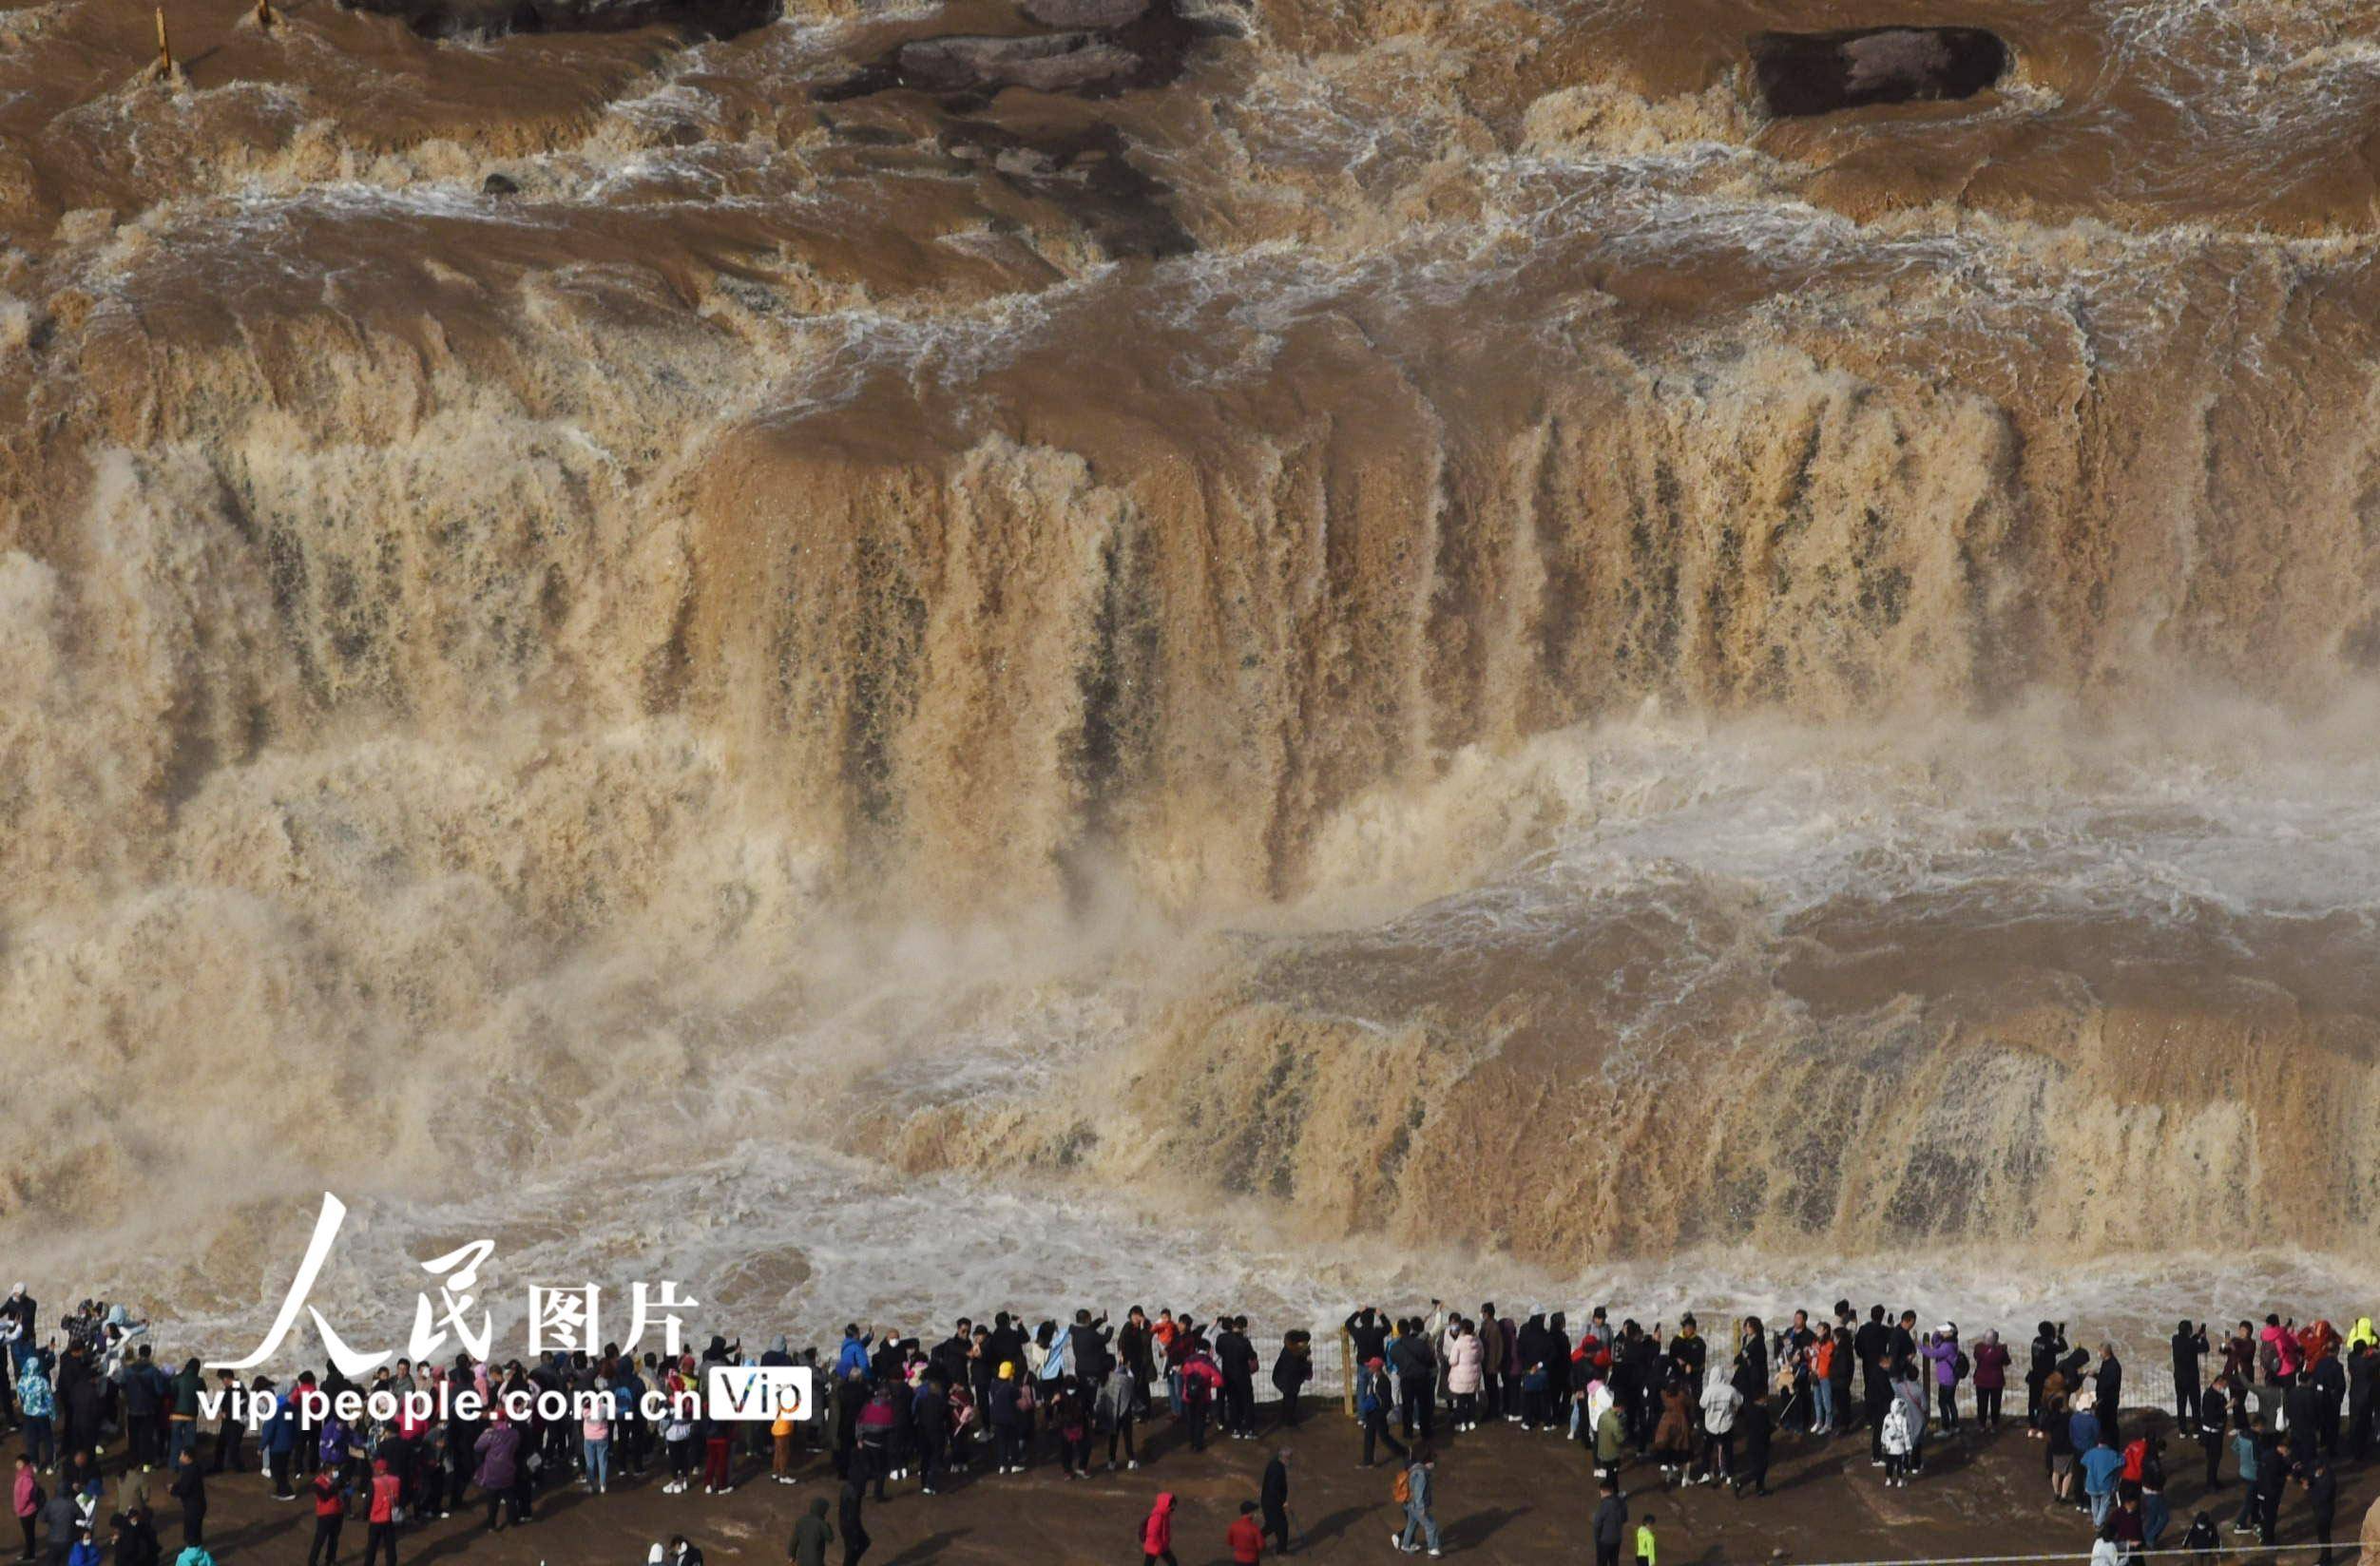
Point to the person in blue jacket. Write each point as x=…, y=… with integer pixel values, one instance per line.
x=280, y=1438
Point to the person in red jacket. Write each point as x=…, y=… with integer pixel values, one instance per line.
x=330, y=1514
x=382, y=1528
x=1245, y=1539
x=1157, y=1534
x=1992, y=1379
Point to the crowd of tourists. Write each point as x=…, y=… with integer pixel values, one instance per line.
x=2282, y=1405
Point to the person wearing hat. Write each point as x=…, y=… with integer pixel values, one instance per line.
x=1371, y=1407
x=1005, y=1420
x=1244, y=1537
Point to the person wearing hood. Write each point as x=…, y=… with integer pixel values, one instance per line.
x=1157, y=1532
x=1720, y=1404
x=2277, y=1352
x=1528, y=1342
x=812, y=1535
x=37, y=1402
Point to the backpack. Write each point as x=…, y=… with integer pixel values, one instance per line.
x=1024, y=1397
x=1401, y=1488
x=1960, y=1367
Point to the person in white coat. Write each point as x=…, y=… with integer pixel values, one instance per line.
x=1464, y=1363
x=1721, y=1405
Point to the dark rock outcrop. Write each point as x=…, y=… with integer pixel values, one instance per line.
x=1097, y=49
x=1085, y=14
x=1802, y=73
x=483, y=19
x=1089, y=175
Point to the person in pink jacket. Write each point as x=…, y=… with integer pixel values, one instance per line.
x=1464, y=1360
x=28, y=1499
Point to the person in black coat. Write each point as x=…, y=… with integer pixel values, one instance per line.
x=1753, y=1424
x=1235, y=1356
x=1873, y=1343
x=134, y=1538
x=2329, y=1396
x=2322, y=1503
x=1368, y=1331
x=2362, y=1361
x=2213, y=1409
x=2108, y=1381
x=1611, y=1524
x=2190, y=1346
x=1558, y=1351
x=1274, y=1499
x=190, y=1488
x=847, y=1522
x=2049, y=1343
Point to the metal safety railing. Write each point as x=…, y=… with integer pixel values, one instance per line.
x=2144, y=1386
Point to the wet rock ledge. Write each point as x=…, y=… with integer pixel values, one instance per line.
x=1805, y=73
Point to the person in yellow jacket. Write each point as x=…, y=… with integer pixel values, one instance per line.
x=1645, y=1553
